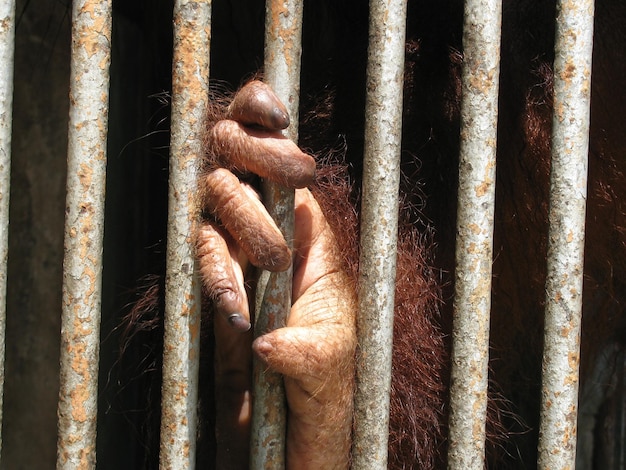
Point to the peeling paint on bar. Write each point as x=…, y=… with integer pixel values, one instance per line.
x=474, y=245
x=568, y=195
x=181, y=350
x=7, y=47
x=379, y=230
x=283, y=33
x=84, y=228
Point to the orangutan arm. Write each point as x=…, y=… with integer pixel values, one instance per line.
x=315, y=351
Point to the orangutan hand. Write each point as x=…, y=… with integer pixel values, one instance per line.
x=315, y=351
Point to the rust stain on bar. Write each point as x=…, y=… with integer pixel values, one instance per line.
x=283, y=31
x=80, y=329
x=568, y=182
x=190, y=76
x=379, y=227
x=472, y=302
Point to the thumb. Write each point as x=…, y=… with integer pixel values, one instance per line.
x=307, y=354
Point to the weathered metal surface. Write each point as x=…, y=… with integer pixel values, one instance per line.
x=84, y=228
x=7, y=46
x=474, y=245
x=568, y=195
x=283, y=32
x=379, y=227
x=190, y=84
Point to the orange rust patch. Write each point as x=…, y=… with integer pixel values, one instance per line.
x=85, y=175
x=474, y=228
x=99, y=26
x=483, y=188
x=568, y=72
x=80, y=393
x=287, y=37
x=87, y=271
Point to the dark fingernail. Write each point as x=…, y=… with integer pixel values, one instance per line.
x=238, y=322
x=280, y=118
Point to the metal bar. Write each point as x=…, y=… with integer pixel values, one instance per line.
x=379, y=230
x=84, y=229
x=7, y=47
x=568, y=194
x=181, y=343
x=474, y=248
x=620, y=431
x=283, y=49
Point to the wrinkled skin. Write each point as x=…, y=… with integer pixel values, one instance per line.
x=315, y=351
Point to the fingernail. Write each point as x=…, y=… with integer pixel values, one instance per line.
x=280, y=119
x=238, y=322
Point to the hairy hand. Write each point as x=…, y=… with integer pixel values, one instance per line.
x=315, y=351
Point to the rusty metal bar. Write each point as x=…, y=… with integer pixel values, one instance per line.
x=84, y=229
x=283, y=33
x=474, y=246
x=181, y=344
x=568, y=195
x=7, y=47
x=379, y=230
x=620, y=439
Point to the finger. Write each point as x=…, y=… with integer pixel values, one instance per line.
x=233, y=364
x=315, y=248
x=245, y=218
x=319, y=336
x=302, y=353
x=256, y=104
x=222, y=264
x=222, y=276
x=267, y=154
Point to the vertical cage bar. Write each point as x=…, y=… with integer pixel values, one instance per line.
x=7, y=47
x=283, y=33
x=476, y=195
x=379, y=227
x=620, y=434
x=181, y=342
x=84, y=229
x=568, y=194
